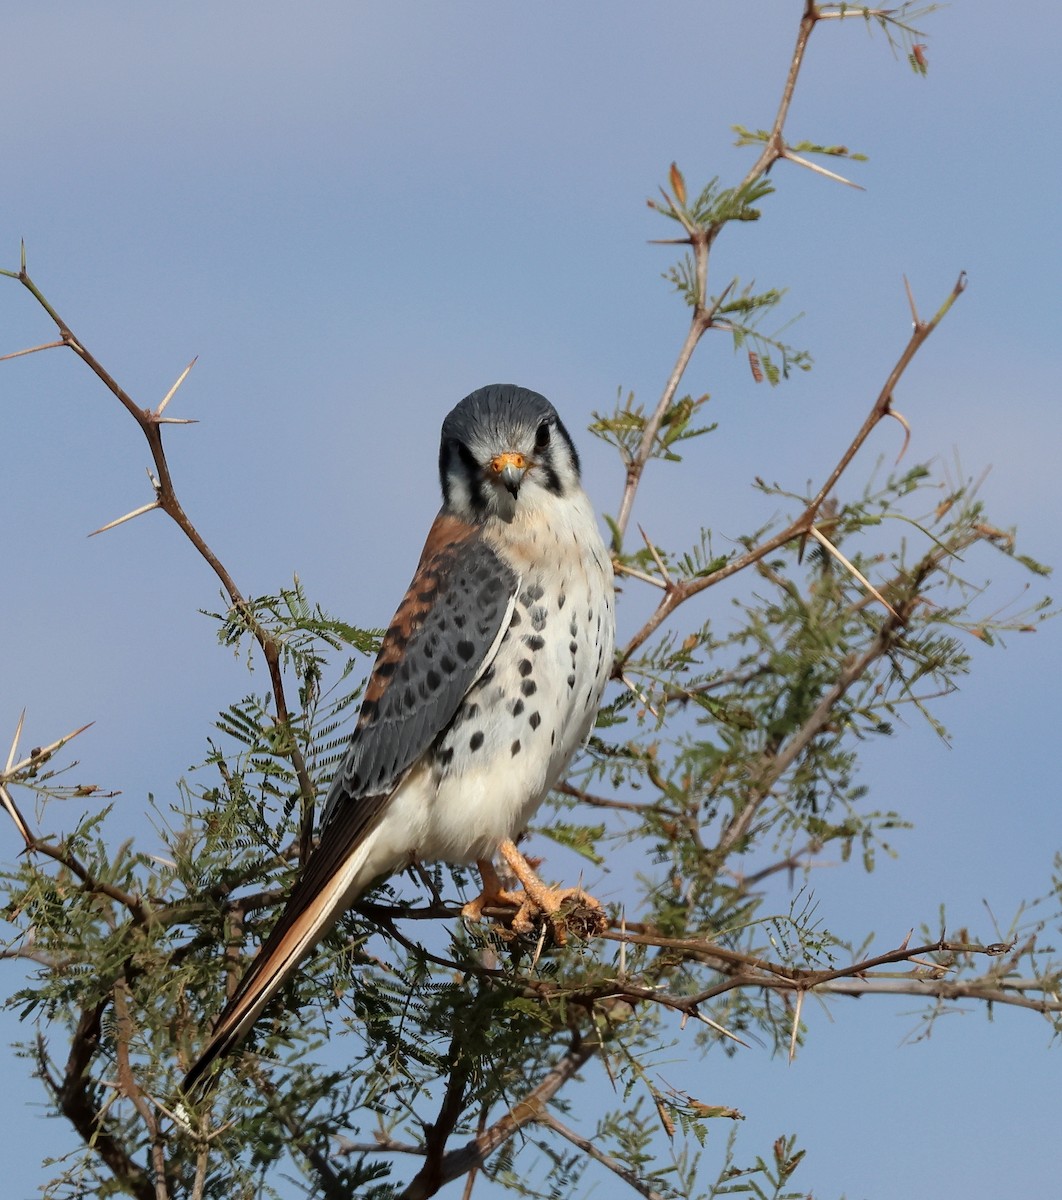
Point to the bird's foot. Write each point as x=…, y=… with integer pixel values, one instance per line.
x=492, y=895
x=564, y=910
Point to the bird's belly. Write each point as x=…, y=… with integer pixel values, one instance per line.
x=517, y=728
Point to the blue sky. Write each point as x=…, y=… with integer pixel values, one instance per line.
x=354, y=214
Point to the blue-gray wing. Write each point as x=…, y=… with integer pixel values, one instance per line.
x=443, y=637
x=441, y=640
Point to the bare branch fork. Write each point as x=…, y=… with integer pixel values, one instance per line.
x=676, y=593
x=701, y=238
x=151, y=422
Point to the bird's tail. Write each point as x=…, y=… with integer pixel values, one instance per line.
x=334, y=877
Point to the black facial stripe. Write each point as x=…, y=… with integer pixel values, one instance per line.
x=456, y=458
x=552, y=480
x=570, y=444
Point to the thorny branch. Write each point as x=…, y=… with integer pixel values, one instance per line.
x=475, y=1153
x=700, y=239
x=677, y=593
x=549, y=1121
x=151, y=422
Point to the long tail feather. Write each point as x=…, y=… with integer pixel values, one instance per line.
x=335, y=875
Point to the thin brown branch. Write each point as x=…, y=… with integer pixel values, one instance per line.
x=548, y=1121
x=796, y=861
x=567, y=789
x=74, y=1098
x=129, y=1088
x=429, y=1179
x=779, y=762
x=476, y=1152
x=1007, y=992
x=882, y=406
x=743, y=971
x=652, y=426
x=151, y=422
x=317, y=1156
x=774, y=147
x=680, y=592
x=89, y=882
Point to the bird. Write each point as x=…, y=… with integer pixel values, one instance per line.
x=487, y=682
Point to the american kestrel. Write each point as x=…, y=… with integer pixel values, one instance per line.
x=487, y=682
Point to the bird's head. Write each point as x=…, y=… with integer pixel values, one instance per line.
x=505, y=451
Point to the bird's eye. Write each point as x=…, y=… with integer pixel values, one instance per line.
x=542, y=436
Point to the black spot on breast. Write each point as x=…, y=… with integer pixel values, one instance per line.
x=514, y=749
x=562, y=599
x=529, y=687
x=530, y=595
x=538, y=617
x=535, y=719
x=573, y=646
x=517, y=707
x=533, y=642
x=445, y=756
x=525, y=667
x=571, y=681
x=515, y=619
x=573, y=628
x=475, y=741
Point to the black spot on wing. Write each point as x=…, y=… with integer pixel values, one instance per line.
x=446, y=646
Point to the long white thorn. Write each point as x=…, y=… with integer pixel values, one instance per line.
x=173, y=390
x=15, y=815
x=811, y=166
x=14, y=742
x=41, y=755
x=128, y=517
x=825, y=541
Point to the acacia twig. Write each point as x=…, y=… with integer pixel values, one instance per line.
x=700, y=239
x=678, y=593
x=548, y=1121
x=151, y=422
x=475, y=1153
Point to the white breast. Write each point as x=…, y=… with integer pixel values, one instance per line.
x=534, y=707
